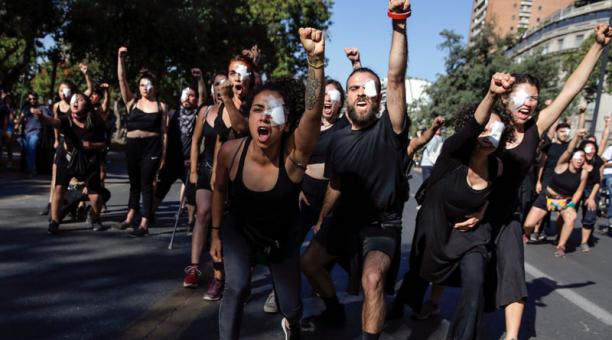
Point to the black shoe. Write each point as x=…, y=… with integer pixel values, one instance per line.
x=139, y=232
x=123, y=225
x=45, y=211
x=396, y=311
x=53, y=228
x=332, y=317
x=96, y=225
x=81, y=214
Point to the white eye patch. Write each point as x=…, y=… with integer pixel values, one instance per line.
x=589, y=148
x=370, y=88
x=275, y=109
x=185, y=94
x=242, y=71
x=497, y=129
x=212, y=90
x=73, y=99
x=577, y=156
x=519, y=98
x=147, y=84
x=334, y=95
x=66, y=92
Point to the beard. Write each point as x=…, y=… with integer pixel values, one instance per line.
x=366, y=119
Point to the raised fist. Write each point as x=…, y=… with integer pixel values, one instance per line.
x=253, y=53
x=313, y=41
x=399, y=6
x=352, y=54
x=83, y=67
x=607, y=121
x=581, y=133
x=104, y=86
x=603, y=33
x=196, y=72
x=225, y=89
x=501, y=83
x=122, y=52
x=438, y=122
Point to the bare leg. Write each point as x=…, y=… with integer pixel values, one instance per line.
x=514, y=314
x=375, y=267
x=58, y=195
x=198, y=239
x=569, y=217
x=313, y=266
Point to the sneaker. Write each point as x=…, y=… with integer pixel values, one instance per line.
x=584, y=247
x=96, y=225
x=215, y=290
x=270, y=305
x=291, y=333
x=332, y=317
x=45, y=211
x=560, y=252
x=428, y=310
x=139, y=232
x=53, y=228
x=192, y=279
x=533, y=238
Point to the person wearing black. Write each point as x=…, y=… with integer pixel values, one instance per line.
x=594, y=165
x=563, y=192
x=84, y=142
x=147, y=139
x=365, y=190
x=261, y=176
x=517, y=159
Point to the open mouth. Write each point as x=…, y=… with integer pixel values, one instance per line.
x=238, y=87
x=524, y=113
x=327, y=108
x=263, y=133
x=361, y=104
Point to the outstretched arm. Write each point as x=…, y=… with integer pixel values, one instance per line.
x=398, y=57
x=575, y=83
x=197, y=73
x=237, y=120
x=83, y=68
x=105, y=101
x=567, y=154
x=124, y=87
x=417, y=143
x=53, y=122
x=307, y=132
x=604, y=136
x=353, y=55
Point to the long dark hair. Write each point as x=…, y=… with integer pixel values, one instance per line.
x=146, y=74
x=292, y=91
x=466, y=113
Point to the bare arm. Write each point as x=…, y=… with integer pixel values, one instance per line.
x=398, y=57
x=417, y=143
x=567, y=154
x=578, y=194
x=124, y=87
x=196, y=140
x=165, y=120
x=307, y=132
x=238, y=122
x=51, y=121
x=89, y=89
x=576, y=81
x=354, y=57
x=197, y=73
x=332, y=195
x=604, y=136
x=104, y=112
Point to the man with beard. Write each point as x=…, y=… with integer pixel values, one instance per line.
x=550, y=155
x=180, y=134
x=364, y=165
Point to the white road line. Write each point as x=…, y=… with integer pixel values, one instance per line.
x=575, y=298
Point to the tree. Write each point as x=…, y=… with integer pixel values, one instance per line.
x=571, y=60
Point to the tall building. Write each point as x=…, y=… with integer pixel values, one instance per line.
x=512, y=16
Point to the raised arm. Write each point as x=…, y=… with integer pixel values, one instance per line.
x=604, y=136
x=353, y=55
x=124, y=87
x=398, y=57
x=237, y=120
x=104, y=112
x=500, y=83
x=576, y=81
x=417, y=143
x=197, y=73
x=567, y=154
x=582, y=116
x=89, y=89
x=307, y=132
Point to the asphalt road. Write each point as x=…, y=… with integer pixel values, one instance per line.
x=106, y=285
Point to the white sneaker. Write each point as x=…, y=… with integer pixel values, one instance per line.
x=270, y=305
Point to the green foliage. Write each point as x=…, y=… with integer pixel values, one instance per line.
x=571, y=60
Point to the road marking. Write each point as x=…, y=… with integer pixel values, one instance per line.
x=575, y=298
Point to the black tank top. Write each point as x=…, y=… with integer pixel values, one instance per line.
x=145, y=121
x=271, y=212
x=319, y=154
x=210, y=138
x=566, y=183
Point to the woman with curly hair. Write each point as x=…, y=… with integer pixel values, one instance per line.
x=147, y=128
x=446, y=250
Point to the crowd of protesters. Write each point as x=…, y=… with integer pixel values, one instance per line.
x=265, y=163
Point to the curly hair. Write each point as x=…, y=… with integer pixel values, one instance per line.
x=292, y=91
x=466, y=113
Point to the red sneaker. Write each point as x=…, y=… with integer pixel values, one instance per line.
x=192, y=279
x=215, y=290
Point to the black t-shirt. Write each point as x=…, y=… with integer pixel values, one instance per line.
x=553, y=153
x=74, y=135
x=368, y=165
x=594, y=176
x=319, y=154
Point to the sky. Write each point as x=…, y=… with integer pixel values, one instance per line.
x=364, y=24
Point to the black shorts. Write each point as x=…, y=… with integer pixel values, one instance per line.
x=204, y=176
x=375, y=238
x=91, y=178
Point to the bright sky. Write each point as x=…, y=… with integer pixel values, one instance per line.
x=364, y=24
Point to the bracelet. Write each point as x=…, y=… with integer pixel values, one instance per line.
x=570, y=205
x=400, y=16
x=215, y=228
x=317, y=66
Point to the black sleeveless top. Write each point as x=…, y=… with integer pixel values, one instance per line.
x=566, y=183
x=210, y=138
x=270, y=212
x=319, y=154
x=145, y=121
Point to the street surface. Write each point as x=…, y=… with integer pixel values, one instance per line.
x=106, y=285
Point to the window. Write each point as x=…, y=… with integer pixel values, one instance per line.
x=579, y=39
x=560, y=43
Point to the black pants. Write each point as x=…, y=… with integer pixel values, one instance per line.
x=143, y=156
x=509, y=258
x=237, y=258
x=470, y=306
